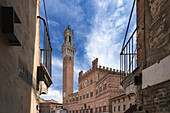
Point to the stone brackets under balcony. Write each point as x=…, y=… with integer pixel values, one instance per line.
x=44, y=76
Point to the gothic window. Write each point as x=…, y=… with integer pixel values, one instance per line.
x=91, y=110
x=87, y=111
x=91, y=94
x=96, y=91
x=87, y=96
x=96, y=109
x=100, y=109
x=70, y=39
x=91, y=81
x=104, y=108
x=100, y=90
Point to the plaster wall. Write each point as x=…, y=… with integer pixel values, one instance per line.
x=157, y=73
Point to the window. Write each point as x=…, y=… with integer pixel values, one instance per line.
x=118, y=100
x=100, y=109
x=91, y=110
x=70, y=111
x=91, y=94
x=114, y=109
x=114, y=101
x=80, y=97
x=83, y=96
x=69, y=38
x=129, y=97
x=87, y=111
x=76, y=98
x=70, y=100
x=118, y=108
x=130, y=105
x=104, y=108
x=73, y=99
x=96, y=110
x=124, y=107
x=83, y=111
x=73, y=111
x=96, y=91
x=87, y=95
x=100, y=90
x=123, y=99
x=105, y=87
x=91, y=81
x=80, y=111
x=76, y=111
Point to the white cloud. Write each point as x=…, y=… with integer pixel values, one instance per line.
x=53, y=94
x=119, y=3
x=104, y=39
x=57, y=62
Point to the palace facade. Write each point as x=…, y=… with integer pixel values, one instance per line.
x=96, y=86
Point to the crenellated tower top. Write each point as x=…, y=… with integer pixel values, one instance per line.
x=68, y=49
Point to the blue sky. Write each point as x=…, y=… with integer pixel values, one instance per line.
x=99, y=28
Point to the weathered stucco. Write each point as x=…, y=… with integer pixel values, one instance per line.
x=18, y=64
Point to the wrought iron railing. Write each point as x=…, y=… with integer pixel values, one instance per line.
x=46, y=52
x=128, y=54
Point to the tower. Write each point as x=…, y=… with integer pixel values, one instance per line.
x=68, y=50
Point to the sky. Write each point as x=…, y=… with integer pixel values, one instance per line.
x=99, y=29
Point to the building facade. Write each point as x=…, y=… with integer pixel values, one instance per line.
x=49, y=106
x=22, y=72
x=96, y=86
x=122, y=103
x=150, y=79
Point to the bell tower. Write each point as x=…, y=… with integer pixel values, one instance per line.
x=68, y=50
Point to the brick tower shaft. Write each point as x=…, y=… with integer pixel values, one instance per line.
x=68, y=50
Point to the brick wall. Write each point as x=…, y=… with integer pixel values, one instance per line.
x=156, y=99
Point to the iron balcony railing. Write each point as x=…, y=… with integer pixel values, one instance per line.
x=128, y=54
x=46, y=52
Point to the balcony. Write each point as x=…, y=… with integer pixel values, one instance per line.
x=44, y=70
x=128, y=54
